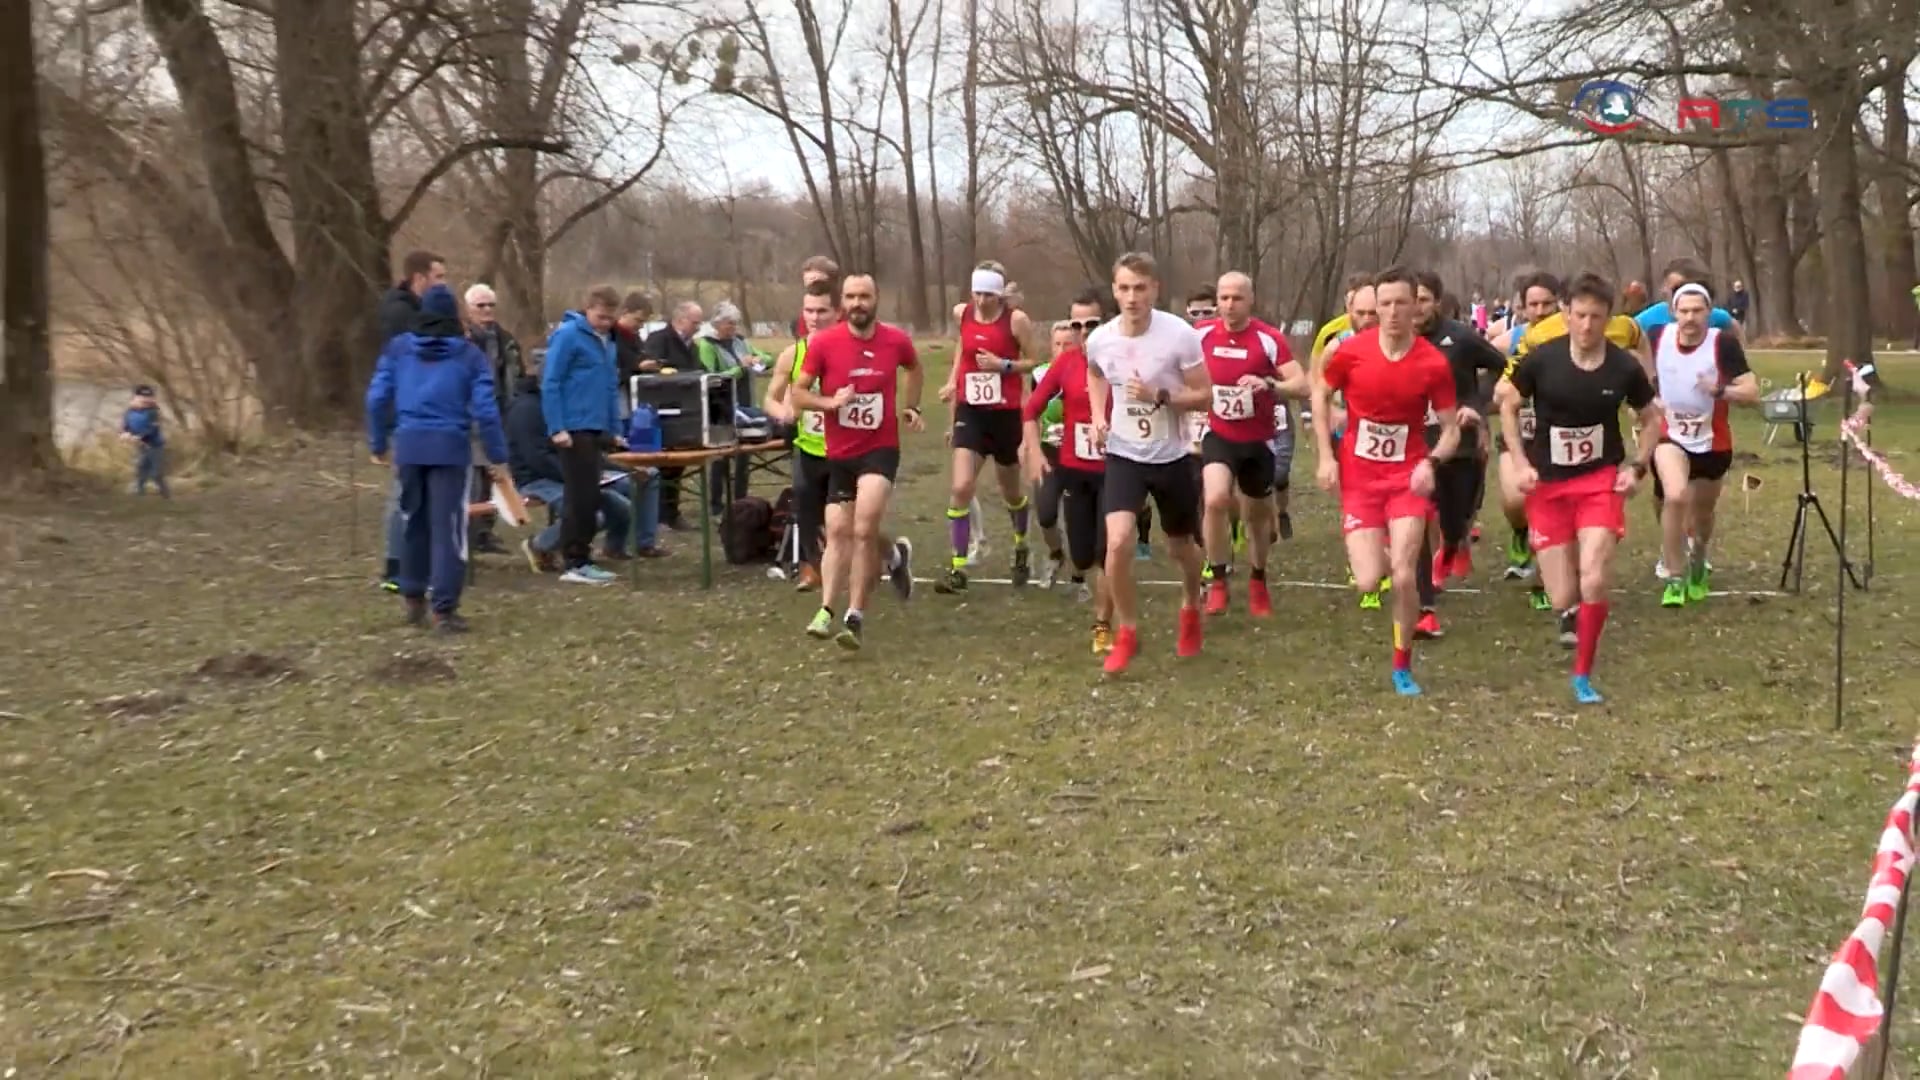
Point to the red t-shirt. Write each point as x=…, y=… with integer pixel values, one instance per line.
x=985, y=389
x=1387, y=401
x=1067, y=377
x=872, y=367
x=1239, y=414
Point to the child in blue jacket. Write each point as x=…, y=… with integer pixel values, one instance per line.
x=141, y=425
x=431, y=388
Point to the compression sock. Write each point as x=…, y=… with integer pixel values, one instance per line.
x=853, y=616
x=1019, y=512
x=1258, y=573
x=1220, y=571
x=1402, y=649
x=960, y=526
x=1423, y=577
x=1591, y=619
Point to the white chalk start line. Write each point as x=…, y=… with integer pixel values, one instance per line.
x=1241, y=579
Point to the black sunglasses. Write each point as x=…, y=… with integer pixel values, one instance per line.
x=1083, y=325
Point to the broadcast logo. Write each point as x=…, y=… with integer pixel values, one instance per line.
x=1607, y=107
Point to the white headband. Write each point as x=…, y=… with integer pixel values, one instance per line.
x=989, y=283
x=1693, y=288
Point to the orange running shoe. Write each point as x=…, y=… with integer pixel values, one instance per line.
x=1126, y=643
x=1428, y=627
x=1259, y=604
x=1217, y=597
x=1188, y=643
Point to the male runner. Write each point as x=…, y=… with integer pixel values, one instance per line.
x=1144, y=373
x=990, y=363
x=1390, y=378
x=850, y=373
x=1475, y=364
x=1252, y=372
x=1700, y=371
x=1075, y=470
x=1362, y=313
x=1679, y=272
x=1576, y=473
x=1047, y=493
x=818, y=310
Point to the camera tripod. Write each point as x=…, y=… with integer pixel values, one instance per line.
x=1807, y=506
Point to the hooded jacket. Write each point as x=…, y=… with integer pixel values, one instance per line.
x=579, y=386
x=430, y=389
x=531, y=454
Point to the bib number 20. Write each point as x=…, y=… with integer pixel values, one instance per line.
x=1381, y=442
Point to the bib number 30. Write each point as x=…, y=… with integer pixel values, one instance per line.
x=983, y=388
x=1385, y=443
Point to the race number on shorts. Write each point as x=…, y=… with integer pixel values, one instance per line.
x=1526, y=423
x=1569, y=446
x=862, y=413
x=813, y=422
x=1386, y=443
x=1232, y=402
x=983, y=388
x=1145, y=423
x=1083, y=447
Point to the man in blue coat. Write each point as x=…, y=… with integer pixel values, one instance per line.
x=580, y=397
x=431, y=388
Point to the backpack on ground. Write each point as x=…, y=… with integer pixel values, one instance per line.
x=745, y=531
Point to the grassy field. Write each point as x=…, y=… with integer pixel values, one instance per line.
x=254, y=827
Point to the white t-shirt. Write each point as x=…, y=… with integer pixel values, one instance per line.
x=1161, y=357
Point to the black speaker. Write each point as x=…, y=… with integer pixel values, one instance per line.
x=695, y=411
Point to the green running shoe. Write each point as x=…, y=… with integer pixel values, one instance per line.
x=822, y=625
x=1370, y=601
x=1698, y=583
x=1673, y=593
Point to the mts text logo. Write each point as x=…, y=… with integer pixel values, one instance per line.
x=1614, y=108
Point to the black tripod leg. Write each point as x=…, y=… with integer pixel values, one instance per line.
x=1796, y=544
x=1845, y=563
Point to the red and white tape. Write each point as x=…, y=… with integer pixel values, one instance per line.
x=1846, y=1012
x=1850, y=430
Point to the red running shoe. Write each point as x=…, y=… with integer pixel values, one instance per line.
x=1189, y=640
x=1217, y=597
x=1428, y=627
x=1259, y=604
x=1440, y=565
x=1463, y=563
x=1126, y=643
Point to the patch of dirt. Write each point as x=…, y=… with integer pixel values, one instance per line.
x=245, y=666
x=145, y=705
x=412, y=669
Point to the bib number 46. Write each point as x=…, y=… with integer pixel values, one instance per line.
x=862, y=413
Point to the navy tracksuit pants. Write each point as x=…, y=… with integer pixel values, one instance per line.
x=433, y=548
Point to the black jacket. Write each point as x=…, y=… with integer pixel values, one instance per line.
x=531, y=455
x=398, y=308
x=667, y=346
x=508, y=367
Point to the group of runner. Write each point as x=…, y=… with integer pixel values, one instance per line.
x=1191, y=421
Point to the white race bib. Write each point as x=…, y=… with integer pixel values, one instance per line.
x=1083, y=446
x=862, y=413
x=1145, y=423
x=1575, y=445
x=1526, y=423
x=813, y=422
x=1690, y=430
x=1280, y=416
x=1386, y=443
x=1233, y=402
x=983, y=388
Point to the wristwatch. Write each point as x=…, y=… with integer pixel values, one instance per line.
x=1006, y=367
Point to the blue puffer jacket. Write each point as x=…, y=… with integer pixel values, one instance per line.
x=431, y=388
x=580, y=384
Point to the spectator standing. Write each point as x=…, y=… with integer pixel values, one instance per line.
x=141, y=426
x=672, y=351
x=580, y=399
x=430, y=390
x=1738, y=302
x=629, y=331
x=721, y=349
x=398, y=310
x=499, y=347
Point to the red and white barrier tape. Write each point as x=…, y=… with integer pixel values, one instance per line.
x=1846, y=1012
x=1850, y=430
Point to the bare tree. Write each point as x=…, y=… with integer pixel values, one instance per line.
x=26, y=379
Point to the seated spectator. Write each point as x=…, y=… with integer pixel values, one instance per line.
x=432, y=387
x=535, y=463
x=629, y=333
x=722, y=348
x=671, y=348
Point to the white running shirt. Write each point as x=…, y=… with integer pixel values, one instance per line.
x=1161, y=357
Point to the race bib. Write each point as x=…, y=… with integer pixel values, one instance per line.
x=862, y=413
x=1083, y=446
x=1280, y=416
x=1575, y=445
x=813, y=422
x=1526, y=423
x=983, y=388
x=1688, y=429
x=1052, y=435
x=1145, y=423
x=1385, y=443
x=1234, y=402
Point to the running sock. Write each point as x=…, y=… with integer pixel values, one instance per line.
x=1587, y=625
x=960, y=526
x=1079, y=579
x=1423, y=577
x=853, y=616
x=1219, y=571
x=1258, y=573
x=892, y=560
x=1019, y=511
x=1402, y=649
x=827, y=611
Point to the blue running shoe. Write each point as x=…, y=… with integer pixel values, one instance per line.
x=1404, y=685
x=1584, y=693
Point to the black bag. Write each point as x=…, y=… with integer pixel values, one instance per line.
x=782, y=519
x=745, y=531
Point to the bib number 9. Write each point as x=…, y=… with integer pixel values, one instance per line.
x=1385, y=443
x=983, y=388
x=1232, y=402
x=1575, y=446
x=1145, y=423
x=862, y=413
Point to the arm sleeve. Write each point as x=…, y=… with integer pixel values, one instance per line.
x=1732, y=358
x=909, y=356
x=1191, y=354
x=613, y=397
x=1639, y=387
x=380, y=405
x=1042, y=394
x=1333, y=370
x=810, y=363
x=1521, y=373
x=1720, y=319
x=485, y=407
x=1440, y=390
x=553, y=377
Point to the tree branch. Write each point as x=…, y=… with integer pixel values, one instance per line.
x=454, y=157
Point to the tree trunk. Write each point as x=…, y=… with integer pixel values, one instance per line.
x=339, y=232
x=26, y=378
x=1776, y=309
x=1891, y=184
x=1849, y=319
x=917, y=312
x=970, y=122
x=942, y=311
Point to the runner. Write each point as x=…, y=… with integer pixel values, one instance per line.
x=1362, y=313
x=850, y=373
x=1577, y=475
x=1252, y=372
x=1682, y=271
x=984, y=393
x=1084, y=315
x=1458, y=482
x=1075, y=470
x=1390, y=378
x=1539, y=300
x=1144, y=372
x=1700, y=371
x=1046, y=492
x=819, y=311
x=817, y=270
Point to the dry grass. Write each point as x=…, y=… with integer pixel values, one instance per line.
x=254, y=827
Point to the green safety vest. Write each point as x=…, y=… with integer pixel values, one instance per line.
x=811, y=438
